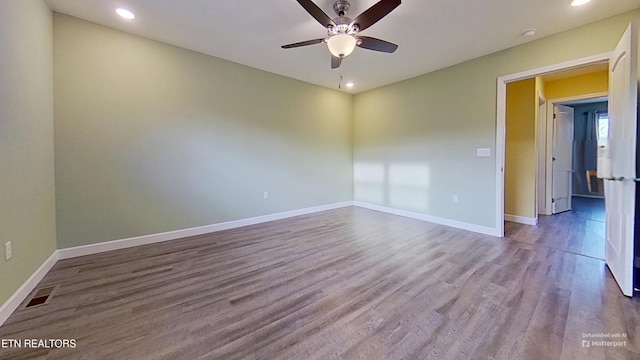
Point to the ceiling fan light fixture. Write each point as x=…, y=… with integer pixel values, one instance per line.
x=343, y=32
x=341, y=45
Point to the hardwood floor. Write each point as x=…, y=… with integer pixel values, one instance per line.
x=579, y=231
x=343, y=284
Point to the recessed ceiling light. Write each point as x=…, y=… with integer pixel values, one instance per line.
x=579, y=2
x=529, y=33
x=125, y=13
x=349, y=84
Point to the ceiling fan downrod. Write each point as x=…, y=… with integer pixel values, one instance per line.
x=341, y=7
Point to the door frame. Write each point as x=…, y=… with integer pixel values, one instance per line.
x=541, y=190
x=548, y=164
x=501, y=119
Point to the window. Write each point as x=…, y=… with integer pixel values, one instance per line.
x=603, y=127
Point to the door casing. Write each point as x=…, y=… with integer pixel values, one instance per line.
x=501, y=106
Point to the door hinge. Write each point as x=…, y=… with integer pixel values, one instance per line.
x=636, y=262
x=553, y=200
x=554, y=116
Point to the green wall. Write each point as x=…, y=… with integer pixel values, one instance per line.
x=434, y=123
x=27, y=202
x=152, y=138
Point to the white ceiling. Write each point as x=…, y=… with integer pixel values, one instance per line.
x=431, y=34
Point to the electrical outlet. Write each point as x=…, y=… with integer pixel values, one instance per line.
x=266, y=195
x=7, y=250
x=455, y=199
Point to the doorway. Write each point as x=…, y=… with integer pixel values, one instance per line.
x=501, y=112
x=617, y=155
x=574, y=145
x=529, y=166
x=590, y=125
x=575, y=220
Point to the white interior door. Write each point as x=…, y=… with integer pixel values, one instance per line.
x=618, y=160
x=562, y=158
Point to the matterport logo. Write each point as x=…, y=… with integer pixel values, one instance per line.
x=604, y=340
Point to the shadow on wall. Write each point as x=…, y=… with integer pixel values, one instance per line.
x=399, y=185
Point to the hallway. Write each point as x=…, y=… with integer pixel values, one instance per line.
x=579, y=231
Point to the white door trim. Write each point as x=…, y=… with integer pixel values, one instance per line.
x=501, y=108
x=541, y=140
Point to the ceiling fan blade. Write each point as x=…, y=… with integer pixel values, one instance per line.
x=303, y=43
x=376, y=44
x=335, y=62
x=316, y=12
x=375, y=13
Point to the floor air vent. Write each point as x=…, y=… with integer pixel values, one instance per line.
x=41, y=296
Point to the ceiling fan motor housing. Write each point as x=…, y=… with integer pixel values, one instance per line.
x=343, y=25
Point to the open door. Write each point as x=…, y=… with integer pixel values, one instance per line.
x=562, y=169
x=617, y=160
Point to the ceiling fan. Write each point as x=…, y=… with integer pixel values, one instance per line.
x=343, y=32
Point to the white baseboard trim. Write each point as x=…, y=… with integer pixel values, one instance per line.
x=433, y=219
x=16, y=299
x=521, y=219
x=589, y=196
x=9, y=306
x=179, y=234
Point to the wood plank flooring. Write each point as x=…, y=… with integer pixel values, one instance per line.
x=579, y=231
x=343, y=284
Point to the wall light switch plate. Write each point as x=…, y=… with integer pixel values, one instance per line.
x=483, y=152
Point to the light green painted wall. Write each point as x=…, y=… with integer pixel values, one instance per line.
x=151, y=138
x=27, y=202
x=430, y=126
